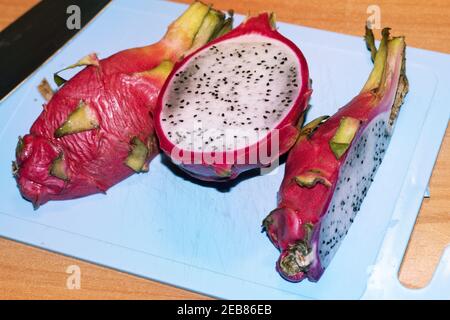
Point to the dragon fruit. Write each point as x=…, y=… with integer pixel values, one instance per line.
x=234, y=104
x=330, y=168
x=98, y=129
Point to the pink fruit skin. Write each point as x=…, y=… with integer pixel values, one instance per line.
x=288, y=130
x=123, y=102
x=95, y=158
x=298, y=205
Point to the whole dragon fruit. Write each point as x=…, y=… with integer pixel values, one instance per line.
x=98, y=129
x=331, y=167
x=234, y=104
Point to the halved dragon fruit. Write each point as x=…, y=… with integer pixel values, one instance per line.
x=330, y=168
x=234, y=104
x=98, y=129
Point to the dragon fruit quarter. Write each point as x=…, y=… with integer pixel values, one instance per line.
x=330, y=168
x=234, y=104
x=97, y=129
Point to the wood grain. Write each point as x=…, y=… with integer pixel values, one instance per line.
x=30, y=273
x=11, y=10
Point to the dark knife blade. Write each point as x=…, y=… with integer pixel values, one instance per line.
x=33, y=38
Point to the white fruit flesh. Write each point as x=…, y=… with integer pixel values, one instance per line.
x=362, y=161
x=231, y=95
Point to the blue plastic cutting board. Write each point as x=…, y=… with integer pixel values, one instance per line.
x=163, y=227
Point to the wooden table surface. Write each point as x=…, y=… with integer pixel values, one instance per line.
x=31, y=273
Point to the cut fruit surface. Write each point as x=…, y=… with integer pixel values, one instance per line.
x=231, y=90
x=237, y=94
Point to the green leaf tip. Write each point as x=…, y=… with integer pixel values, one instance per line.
x=380, y=79
x=89, y=60
x=137, y=156
x=312, y=126
x=58, y=168
x=344, y=136
x=83, y=118
x=161, y=71
x=379, y=60
x=311, y=177
x=186, y=26
x=211, y=25
x=273, y=20
x=370, y=42
x=226, y=27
